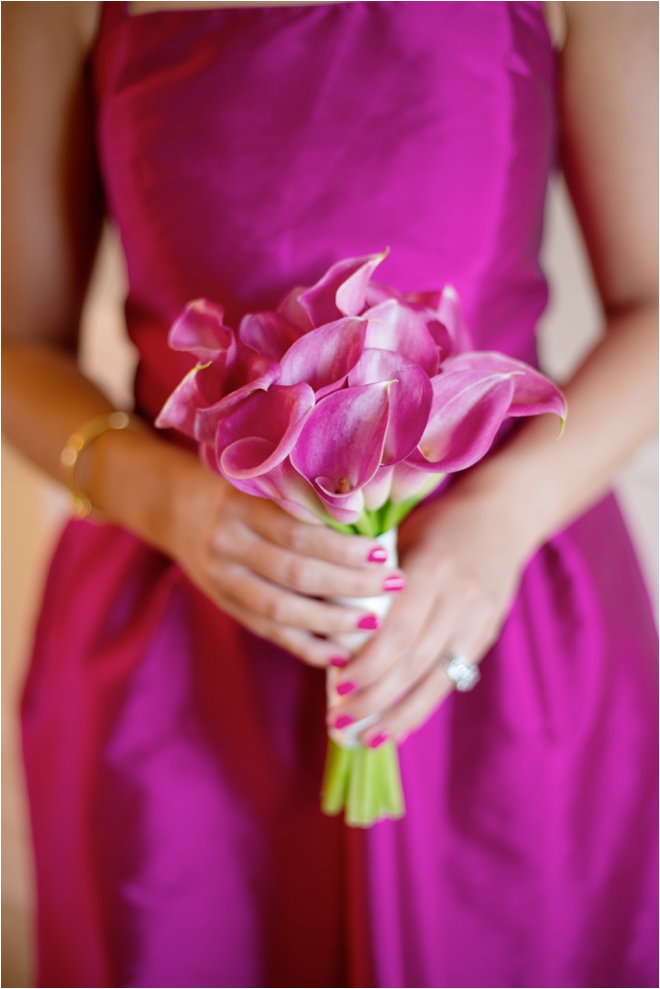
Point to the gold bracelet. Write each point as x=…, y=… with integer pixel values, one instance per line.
x=81, y=504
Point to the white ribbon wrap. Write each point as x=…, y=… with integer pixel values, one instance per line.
x=353, y=641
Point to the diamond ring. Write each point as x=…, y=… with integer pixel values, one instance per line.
x=464, y=674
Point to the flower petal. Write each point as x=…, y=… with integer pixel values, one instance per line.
x=291, y=309
x=396, y=326
x=180, y=409
x=410, y=482
x=533, y=393
x=268, y=333
x=284, y=485
x=324, y=357
x=468, y=409
x=341, y=443
x=341, y=291
x=275, y=416
x=377, y=490
x=250, y=373
x=200, y=330
x=446, y=306
x=411, y=395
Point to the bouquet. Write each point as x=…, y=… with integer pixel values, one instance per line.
x=347, y=406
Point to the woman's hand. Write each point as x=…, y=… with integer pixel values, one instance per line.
x=462, y=556
x=256, y=562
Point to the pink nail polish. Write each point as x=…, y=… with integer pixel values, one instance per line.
x=343, y=721
x=338, y=661
x=369, y=622
x=345, y=688
x=379, y=739
x=377, y=555
x=393, y=584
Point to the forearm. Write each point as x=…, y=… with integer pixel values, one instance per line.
x=133, y=477
x=540, y=481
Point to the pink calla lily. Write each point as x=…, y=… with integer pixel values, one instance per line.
x=294, y=313
x=269, y=333
x=446, y=307
x=341, y=291
x=265, y=423
x=284, y=485
x=397, y=327
x=378, y=489
x=201, y=331
x=411, y=395
x=250, y=373
x=468, y=409
x=324, y=357
x=411, y=482
x=180, y=409
x=533, y=393
x=341, y=444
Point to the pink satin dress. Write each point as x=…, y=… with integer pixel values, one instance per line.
x=174, y=761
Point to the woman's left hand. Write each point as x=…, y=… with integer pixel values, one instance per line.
x=463, y=556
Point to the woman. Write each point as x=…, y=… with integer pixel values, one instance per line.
x=173, y=745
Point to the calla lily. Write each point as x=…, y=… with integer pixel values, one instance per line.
x=180, y=409
x=533, y=393
x=201, y=331
x=324, y=357
x=411, y=395
x=269, y=333
x=209, y=389
x=294, y=313
x=284, y=485
x=468, y=409
x=258, y=433
x=341, y=291
x=410, y=482
x=446, y=307
x=378, y=489
x=341, y=444
x=250, y=373
x=393, y=326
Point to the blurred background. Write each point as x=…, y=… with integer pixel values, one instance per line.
x=35, y=509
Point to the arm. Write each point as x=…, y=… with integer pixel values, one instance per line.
x=248, y=556
x=464, y=555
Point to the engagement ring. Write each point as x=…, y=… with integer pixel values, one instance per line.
x=465, y=675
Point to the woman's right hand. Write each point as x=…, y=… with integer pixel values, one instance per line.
x=265, y=568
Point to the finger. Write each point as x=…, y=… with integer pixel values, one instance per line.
x=318, y=541
x=237, y=583
x=412, y=710
x=305, y=646
x=435, y=640
x=311, y=576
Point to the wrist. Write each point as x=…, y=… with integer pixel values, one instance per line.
x=140, y=481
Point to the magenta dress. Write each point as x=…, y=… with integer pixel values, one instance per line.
x=174, y=761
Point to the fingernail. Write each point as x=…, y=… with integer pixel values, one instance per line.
x=338, y=661
x=401, y=737
x=370, y=622
x=345, y=688
x=378, y=739
x=377, y=555
x=343, y=721
x=394, y=584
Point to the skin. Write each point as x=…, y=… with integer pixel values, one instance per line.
x=463, y=556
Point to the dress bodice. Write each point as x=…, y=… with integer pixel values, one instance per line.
x=245, y=150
